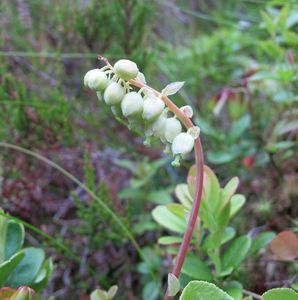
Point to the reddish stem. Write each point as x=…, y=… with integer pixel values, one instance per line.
x=199, y=178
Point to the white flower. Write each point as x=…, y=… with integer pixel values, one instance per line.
x=126, y=69
x=187, y=110
x=96, y=80
x=183, y=144
x=132, y=104
x=172, y=128
x=114, y=93
x=153, y=107
x=158, y=127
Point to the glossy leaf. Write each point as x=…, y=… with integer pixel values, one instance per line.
x=237, y=201
x=234, y=289
x=169, y=220
x=195, y=268
x=183, y=195
x=8, y=266
x=15, y=234
x=236, y=252
x=280, y=294
x=169, y=240
x=261, y=241
x=201, y=290
x=28, y=269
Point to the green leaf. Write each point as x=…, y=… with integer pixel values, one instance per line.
x=7, y=267
x=280, y=294
x=201, y=290
x=234, y=289
x=229, y=190
x=220, y=157
x=27, y=270
x=169, y=220
x=261, y=241
x=112, y=291
x=236, y=252
x=43, y=275
x=173, y=285
x=99, y=295
x=238, y=128
x=183, y=195
x=151, y=290
x=195, y=268
x=228, y=234
x=237, y=201
x=169, y=240
x=15, y=234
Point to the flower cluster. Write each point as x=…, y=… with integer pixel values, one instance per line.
x=143, y=108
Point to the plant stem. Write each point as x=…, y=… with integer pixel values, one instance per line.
x=199, y=182
x=199, y=157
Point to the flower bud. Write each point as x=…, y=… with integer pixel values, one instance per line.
x=187, y=110
x=153, y=107
x=132, y=104
x=183, y=144
x=114, y=93
x=158, y=127
x=126, y=69
x=172, y=128
x=23, y=293
x=96, y=80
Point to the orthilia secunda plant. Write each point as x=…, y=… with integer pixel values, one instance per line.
x=123, y=87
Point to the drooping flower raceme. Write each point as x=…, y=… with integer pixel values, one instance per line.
x=143, y=108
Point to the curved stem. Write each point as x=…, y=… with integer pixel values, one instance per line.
x=199, y=175
x=199, y=181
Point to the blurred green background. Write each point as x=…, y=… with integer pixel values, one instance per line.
x=238, y=59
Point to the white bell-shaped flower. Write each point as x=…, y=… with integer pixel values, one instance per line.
x=172, y=128
x=183, y=144
x=153, y=107
x=114, y=93
x=96, y=80
x=132, y=104
x=126, y=69
x=158, y=127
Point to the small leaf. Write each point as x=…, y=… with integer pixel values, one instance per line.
x=237, y=201
x=280, y=294
x=201, y=290
x=163, y=216
x=8, y=266
x=195, y=268
x=169, y=240
x=99, y=295
x=261, y=241
x=28, y=269
x=151, y=290
x=15, y=234
x=236, y=252
x=285, y=246
x=112, y=291
x=172, y=88
x=234, y=289
x=173, y=285
x=183, y=195
x=228, y=234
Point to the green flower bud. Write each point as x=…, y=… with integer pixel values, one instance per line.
x=172, y=128
x=153, y=107
x=183, y=144
x=114, y=93
x=132, y=104
x=126, y=69
x=96, y=80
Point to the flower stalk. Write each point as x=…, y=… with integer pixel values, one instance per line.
x=199, y=159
